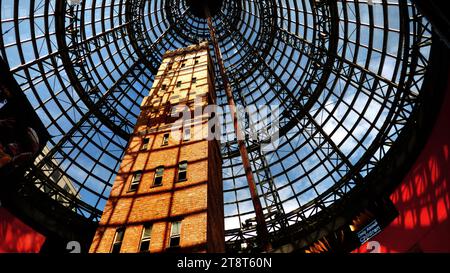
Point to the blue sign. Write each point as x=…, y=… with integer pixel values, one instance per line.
x=369, y=231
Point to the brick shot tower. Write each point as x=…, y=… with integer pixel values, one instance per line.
x=167, y=196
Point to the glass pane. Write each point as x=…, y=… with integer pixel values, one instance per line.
x=187, y=134
x=182, y=176
x=147, y=231
x=159, y=171
x=119, y=235
x=158, y=181
x=134, y=186
x=116, y=248
x=174, y=241
x=137, y=176
x=176, y=227
x=183, y=165
x=145, y=245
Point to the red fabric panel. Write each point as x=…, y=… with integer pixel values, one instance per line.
x=423, y=199
x=17, y=237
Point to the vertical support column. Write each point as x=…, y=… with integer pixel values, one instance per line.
x=261, y=227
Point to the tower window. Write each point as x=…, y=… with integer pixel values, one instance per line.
x=145, y=238
x=169, y=66
x=136, y=180
x=118, y=238
x=187, y=134
x=196, y=60
x=175, y=234
x=179, y=84
x=158, y=176
x=165, y=140
x=145, y=142
x=182, y=171
x=183, y=64
x=163, y=87
x=194, y=80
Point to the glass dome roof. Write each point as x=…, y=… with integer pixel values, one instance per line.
x=346, y=76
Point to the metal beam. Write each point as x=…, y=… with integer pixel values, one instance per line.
x=261, y=227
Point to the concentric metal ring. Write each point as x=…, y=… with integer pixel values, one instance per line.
x=347, y=76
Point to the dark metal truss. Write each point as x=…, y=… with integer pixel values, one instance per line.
x=346, y=75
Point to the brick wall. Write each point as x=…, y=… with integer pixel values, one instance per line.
x=197, y=202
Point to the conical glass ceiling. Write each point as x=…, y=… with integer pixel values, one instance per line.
x=346, y=77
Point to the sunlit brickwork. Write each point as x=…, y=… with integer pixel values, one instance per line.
x=158, y=199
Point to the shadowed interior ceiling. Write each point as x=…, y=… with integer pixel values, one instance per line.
x=346, y=76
